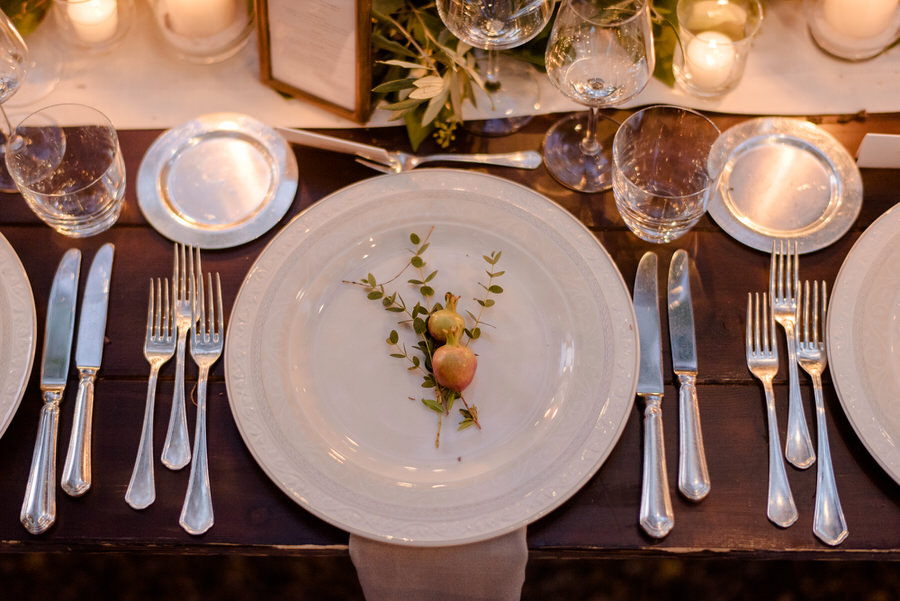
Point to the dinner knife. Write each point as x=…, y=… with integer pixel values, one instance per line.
x=39, y=507
x=693, y=476
x=656, y=515
x=76, y=475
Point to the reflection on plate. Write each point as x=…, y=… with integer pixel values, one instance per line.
x=217, y=181
x=863, y=339
x=327, y=413
x=18, y=329
x=783, y=179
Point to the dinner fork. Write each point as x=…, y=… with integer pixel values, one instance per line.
x=159, y=346
x=762, y=359
x=784, y=290
x=177, y=449
x=206, y=347
x=829, y=523
x=403, y=161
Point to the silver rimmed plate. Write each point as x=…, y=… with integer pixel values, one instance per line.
x=783, y=178
x=18, y=331
x=326, y=412
x=863, y=339
x=217, y=181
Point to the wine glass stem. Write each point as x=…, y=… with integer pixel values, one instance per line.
x=492, y=76
x=7, y=131
x=589, y=144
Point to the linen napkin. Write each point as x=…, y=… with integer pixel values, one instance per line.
x=880, y=151
x=492, y=570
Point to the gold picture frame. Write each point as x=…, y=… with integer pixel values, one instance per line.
x=320, y=51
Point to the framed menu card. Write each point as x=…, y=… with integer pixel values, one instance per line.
x=318, y=50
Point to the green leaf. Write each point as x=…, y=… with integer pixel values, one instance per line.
x=495, y=289
x=393, y=86
x=488, y=302
x=379, y=42
x=414, y=238
x=430, y=276
x=419, y=325
x=475, y=334
x=403, y=104
x=394, y=309
x=433, y=405
x=393, y=338
x=415, y=131
x=417, y=261
x=398, y=355
x=495, y=274
x=423, y=248
x=415, y=282
x=404, y=64
x=375, y=294
x=426, y=291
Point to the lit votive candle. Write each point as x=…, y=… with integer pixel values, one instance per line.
x=710, y=57
x=859, y=18
x=94, y=21
x=201, y=18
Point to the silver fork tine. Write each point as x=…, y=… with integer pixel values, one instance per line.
x=159, y=346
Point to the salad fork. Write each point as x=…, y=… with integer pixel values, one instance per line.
x=206, y=347
x=829, y=523
x=762, y=359
x=177, y=448
x=784, y=290
x=159, y=346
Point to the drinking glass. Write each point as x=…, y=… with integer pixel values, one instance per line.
x=13, y=66
x=661, y=180
x=66, y=162
x=494, y=25
x=600, y=53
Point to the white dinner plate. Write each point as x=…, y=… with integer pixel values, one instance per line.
x=326, y=412
x=18, y=329
x=780, y=179
x=217, y=181
x=863, y=339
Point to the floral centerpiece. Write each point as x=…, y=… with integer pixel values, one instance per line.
x=425, y=73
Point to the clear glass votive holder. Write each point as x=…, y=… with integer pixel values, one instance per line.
x=715, y=37
x=661, y=181
x=204, y=31
x=66, y=162
x=853, y=29
x=93, y=25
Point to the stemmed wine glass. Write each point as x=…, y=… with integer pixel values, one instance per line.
x=600, y=53
x=13, y=66
x=494, y=25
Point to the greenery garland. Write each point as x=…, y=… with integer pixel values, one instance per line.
x=426, y=74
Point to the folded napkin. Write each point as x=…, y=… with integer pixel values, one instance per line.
x=492, y=570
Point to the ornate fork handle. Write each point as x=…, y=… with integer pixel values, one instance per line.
x=829, y=523
x=177, y=448
x=656, y=515
x=798, y=447
x=693, y=475
x=39, y=507
x=142, y=488
x=524, y=159
x=197, y=511
x=781, y=509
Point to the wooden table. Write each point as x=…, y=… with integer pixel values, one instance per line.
x=254, y=517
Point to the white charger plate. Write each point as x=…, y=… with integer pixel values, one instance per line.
x=783, y=179
x=863, y=339
x=326, y=412
x=18, y=332
x=217, y=181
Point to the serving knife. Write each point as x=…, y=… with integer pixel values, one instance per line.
x=76, y=476
x=39, y=507
x=656, y=515
x=693, y=476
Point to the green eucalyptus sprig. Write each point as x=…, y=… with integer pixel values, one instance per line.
x=418, y=356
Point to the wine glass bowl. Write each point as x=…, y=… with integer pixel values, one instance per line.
x=13, y=67
x=600, y=54
x=491, y=26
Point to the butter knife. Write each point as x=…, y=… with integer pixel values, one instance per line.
x=693, y=476
x=76, y=476
x=656, y=515
x=39, y=507
x=396, y=161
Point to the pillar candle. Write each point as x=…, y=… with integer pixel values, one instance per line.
x=860, y=18
x=201, y=18
x=710, y=57
x=94, y=21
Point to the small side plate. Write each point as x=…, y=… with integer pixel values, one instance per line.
x=783, y=178
x=217, y=181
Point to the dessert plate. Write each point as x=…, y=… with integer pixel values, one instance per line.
x=217, y=181
x=783, y=178
x=338, y=424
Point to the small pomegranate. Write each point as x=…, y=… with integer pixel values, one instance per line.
x=446, y=319
x=454, y=364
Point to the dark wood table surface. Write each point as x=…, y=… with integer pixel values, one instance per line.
x=254, y=517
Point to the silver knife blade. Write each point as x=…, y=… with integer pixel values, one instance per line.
x=646, y=309
x=92, y=323
x=681, y=315
x=308, y=138
x=60, y=321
